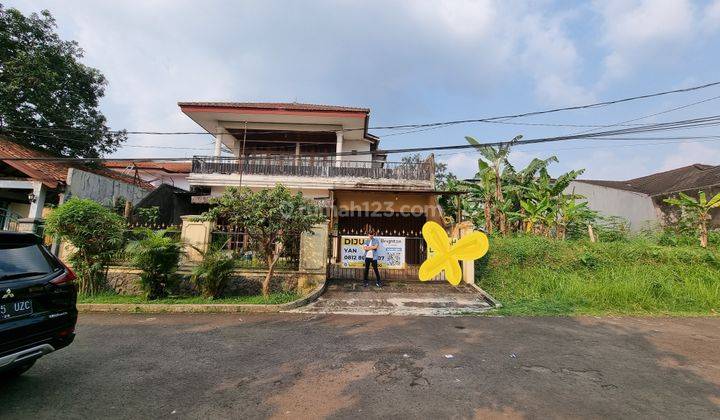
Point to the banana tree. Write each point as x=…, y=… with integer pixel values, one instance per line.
x=517, y=183
x=571, y=211
x=699, y=207
x=483, y=190
x=497, y=160
x=533, y=213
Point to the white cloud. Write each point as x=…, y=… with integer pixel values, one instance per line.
x=514, y=39
x=466, y=19
x=711, y=17
x=552, y=59
x=688, y=153
x=613, y=164
x=463, y=165
x=643, y=29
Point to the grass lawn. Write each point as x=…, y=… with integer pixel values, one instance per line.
x=538, y=276
x=274, y=298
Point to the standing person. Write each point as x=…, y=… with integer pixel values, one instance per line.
x=370, y=247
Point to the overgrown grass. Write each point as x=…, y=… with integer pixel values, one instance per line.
x=538, y=276
x=108, y=297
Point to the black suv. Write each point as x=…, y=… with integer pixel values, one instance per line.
x=37, y=302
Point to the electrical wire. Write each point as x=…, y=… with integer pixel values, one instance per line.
x=421, y=125
x=708, y=121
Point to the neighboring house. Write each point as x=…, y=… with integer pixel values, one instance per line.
x=28, y=187
x=641, y=200
x=297, y=144
x=156, y=173
x=171, y=202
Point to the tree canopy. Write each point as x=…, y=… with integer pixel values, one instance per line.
x=271, y=217
x=49, y=100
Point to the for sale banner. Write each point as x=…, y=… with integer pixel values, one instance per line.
x=390, y=253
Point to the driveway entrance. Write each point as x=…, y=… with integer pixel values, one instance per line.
x=434, y=298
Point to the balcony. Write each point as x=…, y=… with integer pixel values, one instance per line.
x=313, y=167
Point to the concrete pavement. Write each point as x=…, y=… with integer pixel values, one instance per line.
x=340, y=366
x=398, y=298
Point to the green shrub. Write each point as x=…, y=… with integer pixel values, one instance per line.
x=95, y=232
x=158, y=256
x=148, y=215
x=213, y=273
x=612, y=229
x=589, y=260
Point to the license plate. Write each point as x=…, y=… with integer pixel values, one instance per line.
x=13, y=309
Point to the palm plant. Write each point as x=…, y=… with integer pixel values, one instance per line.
x=158, y=256
x=213, y=273
x=700, y=208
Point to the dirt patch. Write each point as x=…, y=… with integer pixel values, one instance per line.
x=317, y=391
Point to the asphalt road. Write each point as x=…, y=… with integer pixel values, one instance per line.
x=339, y=366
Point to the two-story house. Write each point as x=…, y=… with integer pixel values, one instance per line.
x=326, y=153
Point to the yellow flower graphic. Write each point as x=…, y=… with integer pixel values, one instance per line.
x=447, y=256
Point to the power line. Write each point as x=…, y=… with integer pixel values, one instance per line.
x=678, y=140
x=415, y=126
x=713, y=120
x=618, y=124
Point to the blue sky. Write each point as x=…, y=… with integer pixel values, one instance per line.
x=411, y=62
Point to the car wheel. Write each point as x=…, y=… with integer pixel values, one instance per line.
x=16, y=370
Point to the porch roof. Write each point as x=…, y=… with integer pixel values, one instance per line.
x=276, y=106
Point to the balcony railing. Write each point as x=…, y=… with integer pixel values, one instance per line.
x=312, y=167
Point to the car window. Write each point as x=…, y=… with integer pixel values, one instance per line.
x=23, y=258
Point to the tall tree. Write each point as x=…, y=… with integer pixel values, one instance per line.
x=49, y=100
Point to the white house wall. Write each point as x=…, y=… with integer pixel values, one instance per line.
x=101, y=189
x=359, y=146
x=636, y=208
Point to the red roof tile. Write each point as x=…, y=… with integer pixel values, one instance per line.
x=52, y=173
x=169, y=167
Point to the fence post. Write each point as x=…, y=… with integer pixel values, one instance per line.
x=313, y=257
x=195, y=234
x=28, y=224
x=468, y=267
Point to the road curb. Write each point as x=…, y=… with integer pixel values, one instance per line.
x=200, y=307
x=491, y=300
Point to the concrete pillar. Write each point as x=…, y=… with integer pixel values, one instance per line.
x=38, y=202
x=313, y=257
x=339, y=147
x=468, y=267
x=313, y=248
x=195, y=236
x=219, y=133
x=28, y=224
